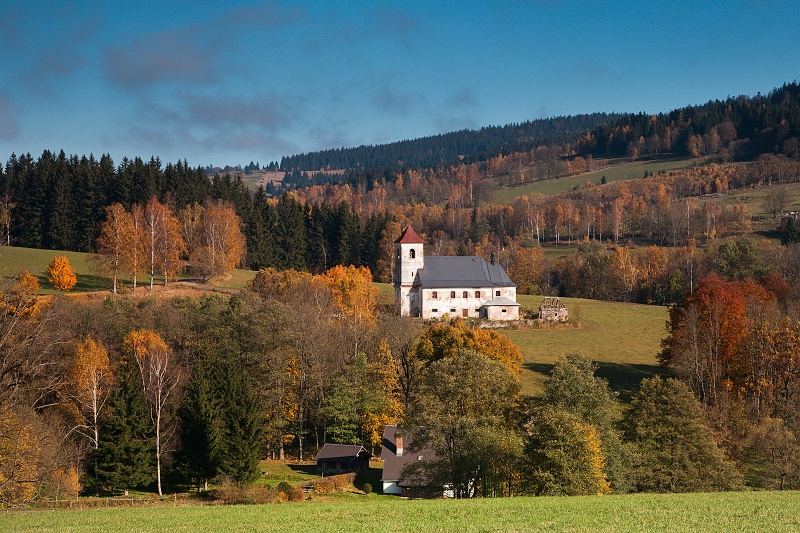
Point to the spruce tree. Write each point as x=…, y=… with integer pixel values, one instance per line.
x=243, y=422
x=125, y=450
x=201, y=426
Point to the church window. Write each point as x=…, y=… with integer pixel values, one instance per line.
x=412, y=254
x=465, y=294
x=452, y=294
x=434, y=295
x=434, y=310
x=497, y=293
x=477, y=294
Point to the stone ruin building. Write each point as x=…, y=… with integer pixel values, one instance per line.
x=553, y=310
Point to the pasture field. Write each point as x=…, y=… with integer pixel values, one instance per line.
x=754, y=198
x=741, y=511
x=13, y=259
x=623, y=339
x=625, y=171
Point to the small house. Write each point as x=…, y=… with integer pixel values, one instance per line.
x=396, y=457
x=553, y=310
x=342, y=458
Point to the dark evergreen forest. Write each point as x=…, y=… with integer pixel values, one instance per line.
x=58, y=202
x=450, y=148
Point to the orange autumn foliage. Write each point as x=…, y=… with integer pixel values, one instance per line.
x=61, y=273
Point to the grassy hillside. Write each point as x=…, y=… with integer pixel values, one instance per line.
x=618, y=172
x=754, y=199
x=13, y=259
x=743, y=511
x=624, y=339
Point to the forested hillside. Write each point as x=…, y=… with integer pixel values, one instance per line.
x=741, y=127
x=446, y=149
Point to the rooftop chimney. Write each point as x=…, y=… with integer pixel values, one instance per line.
x=398, y=444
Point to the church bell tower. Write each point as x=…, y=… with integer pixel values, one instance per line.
x=409, y=258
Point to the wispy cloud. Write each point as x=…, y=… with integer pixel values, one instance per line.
x=393, y=21
x=269, y=111
x=9, y=118
x=192, y=52
x=389, y=96
x=464, y=99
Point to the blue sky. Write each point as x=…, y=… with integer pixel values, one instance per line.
x=230, y=82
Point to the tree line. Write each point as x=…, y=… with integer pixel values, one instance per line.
x=106, y=396
x=449, y=148
x=59, y=202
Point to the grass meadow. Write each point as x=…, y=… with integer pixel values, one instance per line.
x=13, y=259
x=741, y=511
x=623, y=339
x=622, y=172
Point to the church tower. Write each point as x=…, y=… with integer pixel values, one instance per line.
x=408, y=259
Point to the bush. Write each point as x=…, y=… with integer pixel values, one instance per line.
x=232, y=494
x=324, y=486
x=297, y=495
x=285, y=488
x=367, y=488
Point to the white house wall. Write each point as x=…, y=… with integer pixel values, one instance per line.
x=444, y=304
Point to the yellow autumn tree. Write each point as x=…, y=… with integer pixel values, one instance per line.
x=21, y=300
x=19, y=455
x=386, y=409
x=61, y=273
x=90, y=384
x=118, y=245
x=445, y=340
x=220, y=245
x=355, y=297
x=526, y=269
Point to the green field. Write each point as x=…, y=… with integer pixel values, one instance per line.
x=743, y=511
x=754, y=198
x=13, y=259
x=624, y=339
x=625, y=171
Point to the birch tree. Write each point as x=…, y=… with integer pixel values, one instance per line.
x=91, y=382
x=160, y=375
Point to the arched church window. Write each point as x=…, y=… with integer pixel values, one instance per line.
x=412, y=254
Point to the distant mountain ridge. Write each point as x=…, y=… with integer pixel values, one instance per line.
x=449, y=148
x=741, y=127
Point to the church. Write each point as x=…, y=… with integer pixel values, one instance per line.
x=467, y=287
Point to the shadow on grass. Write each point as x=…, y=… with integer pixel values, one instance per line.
x=371, y=476
x=539, y=368
x=623, y=378
x=310, y=469
x=86, y=283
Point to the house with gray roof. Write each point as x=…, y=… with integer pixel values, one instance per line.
x=456, y=286
x=342, y=458
x=396, y=477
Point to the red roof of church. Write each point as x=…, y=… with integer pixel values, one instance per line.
x=409, y=236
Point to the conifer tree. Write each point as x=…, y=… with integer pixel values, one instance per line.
x=243, y=419
x=201, y=426
x=125, y=457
